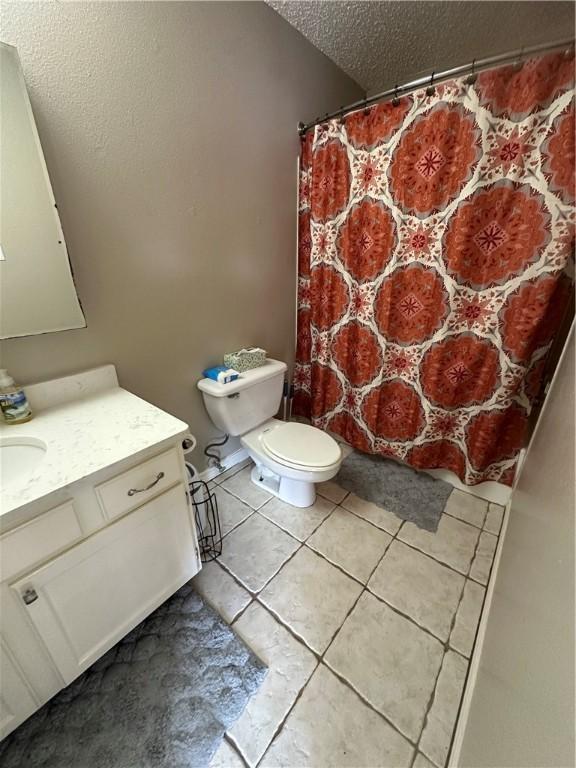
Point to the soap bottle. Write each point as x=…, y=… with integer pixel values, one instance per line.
x=13, y=402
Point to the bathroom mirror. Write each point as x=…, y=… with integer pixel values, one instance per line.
x=37, y=292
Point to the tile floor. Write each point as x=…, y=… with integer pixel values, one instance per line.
x=366, y=622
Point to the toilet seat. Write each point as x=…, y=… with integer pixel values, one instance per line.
x=301, y=445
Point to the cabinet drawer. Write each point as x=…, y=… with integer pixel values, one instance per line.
x=135, y=486
x=38, y=540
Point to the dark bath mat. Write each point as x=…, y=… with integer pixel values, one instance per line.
x=409, y=494
x=161, y=698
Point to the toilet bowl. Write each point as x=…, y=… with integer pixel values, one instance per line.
x=290, y=458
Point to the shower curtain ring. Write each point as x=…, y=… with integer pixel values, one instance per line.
x=518, y=63
x=366, y=110
x=472, y=77
x=395, y=100
x=430, y=91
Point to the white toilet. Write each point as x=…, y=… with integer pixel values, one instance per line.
x=290, y=458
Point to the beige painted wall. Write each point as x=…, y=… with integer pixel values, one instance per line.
x=169, y=131
x=522, y=710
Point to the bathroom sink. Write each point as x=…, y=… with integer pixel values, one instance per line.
x=19, y=457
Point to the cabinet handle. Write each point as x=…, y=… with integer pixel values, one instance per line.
x=29, y=595
x=133, y=491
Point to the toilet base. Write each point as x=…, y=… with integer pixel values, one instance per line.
x=295, y=492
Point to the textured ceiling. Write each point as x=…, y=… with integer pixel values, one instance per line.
x=383, y=43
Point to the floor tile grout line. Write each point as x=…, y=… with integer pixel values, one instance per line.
x=366, y=702
x=251, y=595
x=407, y=616
x=365, y=587
x=453, y=622
x=302, y=541
x=232, y=744
x=475, y=495
x=382, y=530
x=431, y=557
x=341, y=567
x=354, y=578
x=446, y=649
x=320, y=657
x=246, y=462
x=242, y=611
x=378, y=527
x=236, y=467
x=236, y=496
x=477, y=581
x=403, y=520
x=301, y=642
x=455, y=517
x=236, y=579
x=274, y=522
x=466, y=660
x=429, y=708
x=344, y=680
x=444, y=511
x=255, y=592
x=240, y=583
x=254, y=595
x=469, y=659
x=413, y=546
x=441, y=562
x=311, y=650
x=246, y=503
x=255, y=600
x=286, y=626
x=234, y=527
x=282, y=723
x=474, y=558
x=321, y=660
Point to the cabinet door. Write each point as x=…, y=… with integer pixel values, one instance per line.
x=16, y=699
x=91, y=596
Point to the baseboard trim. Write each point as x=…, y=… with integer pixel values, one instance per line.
x=456, y=750
x=228, y=462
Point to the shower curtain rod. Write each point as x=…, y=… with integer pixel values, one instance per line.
x=471, y=68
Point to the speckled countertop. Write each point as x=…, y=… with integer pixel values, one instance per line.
x=83, y=437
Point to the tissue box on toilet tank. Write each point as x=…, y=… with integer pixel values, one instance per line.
x=245, y=359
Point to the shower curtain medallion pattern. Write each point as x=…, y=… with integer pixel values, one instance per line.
x=434, y=236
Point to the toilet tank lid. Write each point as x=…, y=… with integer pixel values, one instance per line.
x=246, y=379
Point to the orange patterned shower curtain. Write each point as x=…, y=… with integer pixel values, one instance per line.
x=434, y=237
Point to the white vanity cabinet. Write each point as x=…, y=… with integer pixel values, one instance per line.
x=17, y=702
x=88, y=598
x=81, y=575
x=93, y=537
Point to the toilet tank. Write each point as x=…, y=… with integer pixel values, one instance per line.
x=252, y=399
